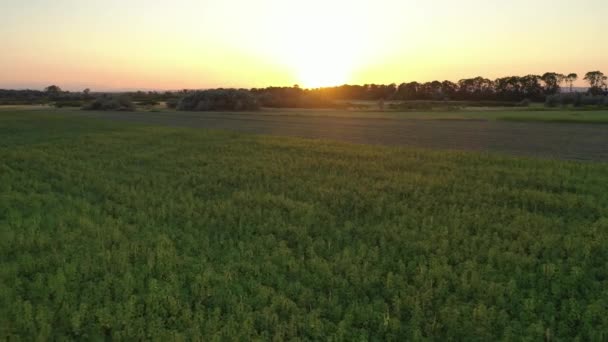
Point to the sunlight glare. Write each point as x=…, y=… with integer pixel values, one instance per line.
x=325, y=51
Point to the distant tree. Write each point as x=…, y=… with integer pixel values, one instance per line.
x=448, y=89
x=477, y=88
x=52, y=89
x=408, y=91
x=597, y=82
x=435, y=90
x=86, y=94
x=509, y=88
x=53, y=92
x=570, y=79
x=112, y=103
x=219, y=99
x=531, y=87
x=552, y=82
x=389, y=91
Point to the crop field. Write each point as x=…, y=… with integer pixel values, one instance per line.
x=529, y=134
x=115, y=230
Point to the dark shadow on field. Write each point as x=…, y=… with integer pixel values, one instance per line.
x=575, y=141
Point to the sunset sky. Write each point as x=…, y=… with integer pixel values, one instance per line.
x=242, y=43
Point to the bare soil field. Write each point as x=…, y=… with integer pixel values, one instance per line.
x=572, y=141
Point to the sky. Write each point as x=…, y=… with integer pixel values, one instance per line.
x=148, y=44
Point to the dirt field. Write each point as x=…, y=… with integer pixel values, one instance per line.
x=573, y=141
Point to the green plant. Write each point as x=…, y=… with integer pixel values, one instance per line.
x=218, y=99
x=111, y=231
x=552, y=101
x=111, y=102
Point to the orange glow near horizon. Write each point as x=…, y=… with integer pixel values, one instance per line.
x=150, y=44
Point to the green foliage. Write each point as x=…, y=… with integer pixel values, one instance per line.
x=148, y=103
x=172, y=103
x=454, y=105
x=68, y=103
x=111, y=102
x=598, y=82
x=121, y=232
x=218, y=99
x=553, y=101
x=416, y=105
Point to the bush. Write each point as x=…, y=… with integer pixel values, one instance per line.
x=412, y=106
x=553, y=101
x=218, y=99
x=148, y=103
x=111, y=102
x=172, y=103
x=592, y=100
x=578, y=100
x=68, y=103
x=524, y=103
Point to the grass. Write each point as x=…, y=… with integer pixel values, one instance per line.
x=591, y=117
x=499, y=114
x=531, y=114
x=114, y=231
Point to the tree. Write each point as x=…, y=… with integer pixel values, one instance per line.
x=552, y=82
x=477, y=88
x=570, y=79
x=597, y=80
x=221, y=99
x=52, y=91
x=531, y=87
x=509, y=88
x=408, y=91
x=448, y=89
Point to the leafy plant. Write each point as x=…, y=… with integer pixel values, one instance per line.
x=111, y=102
x=118, y=232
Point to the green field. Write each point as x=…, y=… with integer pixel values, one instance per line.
x=532, y=114
x=129, y=232
x=501, y=114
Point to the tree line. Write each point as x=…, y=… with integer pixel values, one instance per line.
x=511, y=89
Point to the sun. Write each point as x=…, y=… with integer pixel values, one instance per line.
x=316, y=76
x=325, y=44
x=322, y=59
x=322, y=71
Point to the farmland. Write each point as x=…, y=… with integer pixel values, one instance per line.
x=127, y=231
x=547, y=134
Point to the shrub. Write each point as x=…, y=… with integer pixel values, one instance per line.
x=148, y=103
x=218, y=99
x=111, y=102
x=68, y=103
x=553, y=101
x=592, y=100
x=172, y=103
x=412, y=106
x=578, y=100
